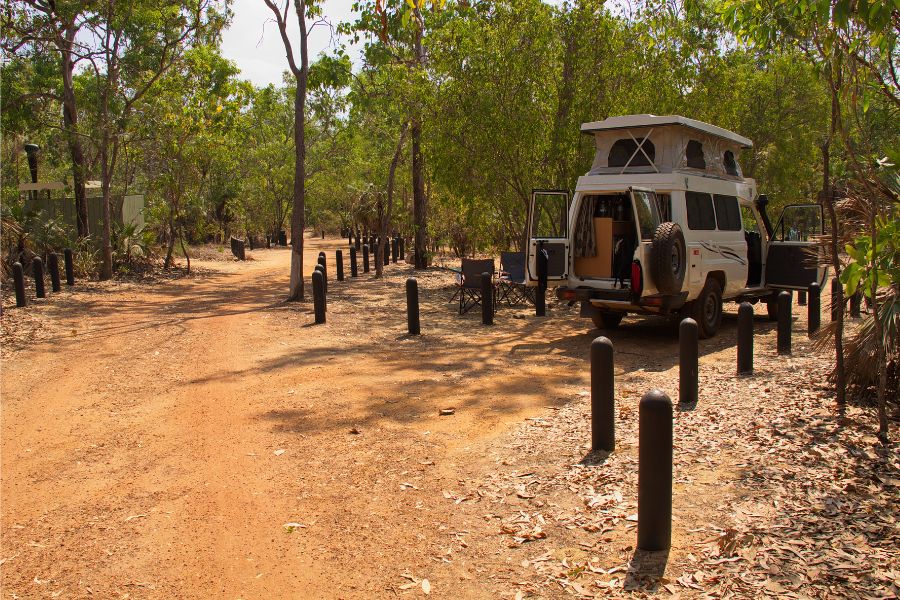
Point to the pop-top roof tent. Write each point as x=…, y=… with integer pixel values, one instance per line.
x=663, y=144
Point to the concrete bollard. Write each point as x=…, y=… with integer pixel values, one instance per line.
x=801, y=298
x=814, y=308
x=53, y=265
x=856, y=305
x=487, y=299
x=745, y=339
x=69, y=260
x=412, y=306
x=835, y=305
x=603, y=390
x=784, y=322
x=37, y=266
x=319, y=295
x=540, y=296
x=366, y=258
x=688, y=361
x=354, y=272
x=655, y=472
x=19, y=282
x=339, y=262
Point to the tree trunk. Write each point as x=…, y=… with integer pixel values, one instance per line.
x=564, y=106
x=70, y=123
x=420, y=219
x=297, y=214
x=107, y=165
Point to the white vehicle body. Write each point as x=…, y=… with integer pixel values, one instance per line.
x=617, y=242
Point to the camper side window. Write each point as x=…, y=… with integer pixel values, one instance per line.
x=728, y=213
x=626, y=149
x=700, y=215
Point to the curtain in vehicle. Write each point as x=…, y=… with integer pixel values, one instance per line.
x=585, y=244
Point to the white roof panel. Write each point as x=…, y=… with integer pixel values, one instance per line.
x=642, y=121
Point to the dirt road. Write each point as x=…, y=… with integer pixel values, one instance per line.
x=200, y=439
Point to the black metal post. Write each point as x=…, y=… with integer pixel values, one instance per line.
x=603, y=390
x=540, y=297
x=19, y=282
x=784, y=322
x=70, y=266
x=319, y=295
x=53, y=265
x=745, y=339
x=487, y=299
x=402, y=248
x=412, y=306
x=386, y=252
x=37, y=266
x=395, y=250
x=250, y=241
x=688, y=361
x=339, y=261
x=835, y=284
x=814, y=309
x=655, y=472
x=365, y=258
x=354, y=272
x=324, y=266
x=358, y=244
x=801, y=298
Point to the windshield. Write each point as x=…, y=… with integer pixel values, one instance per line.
x=647, y=212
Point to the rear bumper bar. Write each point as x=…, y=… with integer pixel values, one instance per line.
x=623, y=299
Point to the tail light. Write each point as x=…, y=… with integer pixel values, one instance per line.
x=568, y=295
x=637, y=279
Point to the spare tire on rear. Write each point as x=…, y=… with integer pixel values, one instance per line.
x=668, y=258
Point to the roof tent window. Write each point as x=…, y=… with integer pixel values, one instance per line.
x=731, y=166
x=694, y=154
x=625, y=148
x=700, y=215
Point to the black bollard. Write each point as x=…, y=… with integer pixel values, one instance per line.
x=365, y=258
x=745, y=339
x=835, y=285
x=603, y=390
x=487, y=299
x=814, y=309
x=37, y=266
x=353, y=270
x=339, y=261
x=856, y=304
x=412, y=306
x=688, y=361
x=319, y=295
x=801, y=298
x=784, y=323
x=350, y=238
x=324, y=271
x=401, y=245
x=53, y=265
x=540, y=297
x=69, y=259
x=250, y=241
x=19, y=281
x=323, y=234
x=655, y=472
x=386, y=252
x=395, y=250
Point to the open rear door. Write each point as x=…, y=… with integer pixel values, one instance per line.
x=548, y=230
x=792, y=258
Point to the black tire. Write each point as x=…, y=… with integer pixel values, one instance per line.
x=706, y=309
x=607, y=319
x=668, y=258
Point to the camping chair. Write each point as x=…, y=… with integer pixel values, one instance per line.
x=511, y=283
x=470, y=282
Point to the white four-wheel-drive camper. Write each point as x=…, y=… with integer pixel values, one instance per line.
x=666, y=223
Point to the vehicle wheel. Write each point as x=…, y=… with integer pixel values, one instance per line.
x=707, y=309
x=607, y=319
x=772, y=307
x=668, y=258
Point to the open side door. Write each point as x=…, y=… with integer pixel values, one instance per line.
x=548, y=230
x=792, y=257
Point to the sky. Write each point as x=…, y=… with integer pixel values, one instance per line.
x=253, y=42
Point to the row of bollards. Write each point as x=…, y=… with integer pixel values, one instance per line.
x=655, y=439
x=320, y=276
x=37, y=265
